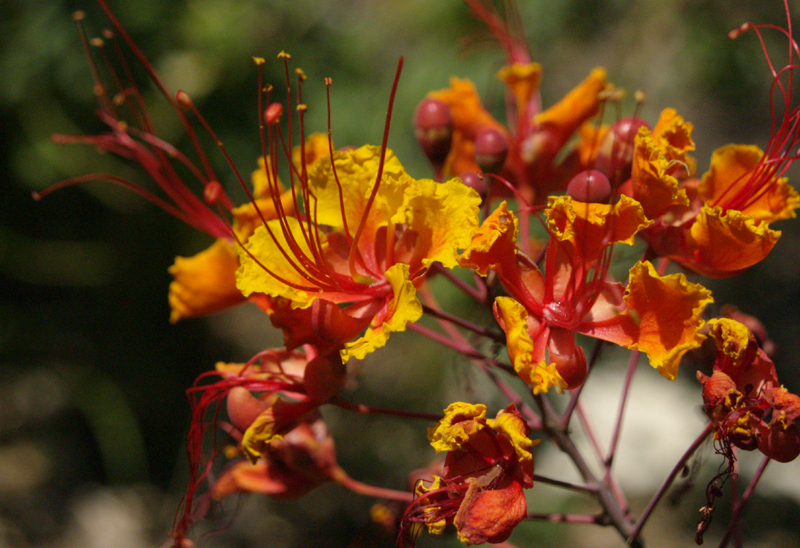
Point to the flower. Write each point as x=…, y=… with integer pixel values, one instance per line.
x=369, y=235
x=481, y=489
x=718, y=225
x=743, y=398
x=659, y=315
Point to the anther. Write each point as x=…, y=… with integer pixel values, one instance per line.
x=259, y=60
x=284, y=55
x=212, y=192
x=108, y=34
x=302, y=107
x=96, y=42
x=328, y=81
x=78, y=15
x=273, y=113
x=183, y=98
x=300, y=74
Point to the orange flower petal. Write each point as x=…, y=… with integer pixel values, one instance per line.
x=652, y=184
x=729, y=183
x=490, y=515
x=724, y=244
x=204, y=283
x=662, y=319
x=577, y=106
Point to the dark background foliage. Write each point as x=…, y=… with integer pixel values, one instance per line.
x=92, y=376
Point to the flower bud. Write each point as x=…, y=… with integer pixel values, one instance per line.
x=491, y=148
x=590, y=186
x=476, y=182
x=615, y=153
x=433, y=126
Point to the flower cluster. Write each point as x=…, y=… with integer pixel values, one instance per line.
x=338, y=245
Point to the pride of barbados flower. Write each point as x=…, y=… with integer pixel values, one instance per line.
x=368, y=237
x=659, y=315
x=488, y=465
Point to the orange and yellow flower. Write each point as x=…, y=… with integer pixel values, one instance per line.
x=367, y=238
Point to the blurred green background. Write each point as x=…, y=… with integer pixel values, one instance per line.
x=92, y=375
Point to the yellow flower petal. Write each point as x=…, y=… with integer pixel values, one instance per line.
x=732, y=338
x=403, y=308
x=527, y=361
x=515, y=430
x=461, y=421
x=204, y=283
x=674, y=134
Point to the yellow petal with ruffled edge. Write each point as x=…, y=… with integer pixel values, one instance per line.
x=724, y=244
x=494, y=245
x=523, y=80
x=204, y=283
x=444, y=217
x=577, y=106
x=403, y=308
x=662, y=318
x=252, y=277
x=357, y=171
x=528, y=364
x=732, y=338
x=461, y=421
x=652, y=186
x=514, y=430
x=598, y=225
x=729, y=177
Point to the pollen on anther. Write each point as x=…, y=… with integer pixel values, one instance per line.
x=328, y=81
x=183, y=98
x=108, y=34
x=97, y=42
x=259, y=60
x=284, y=55
x=302, y=107
x=273, y=113
x=300, y=74
x=78, y=15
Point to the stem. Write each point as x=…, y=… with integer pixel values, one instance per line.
x=477, y=294
x=567, y=518
x=670, y=478
x=614, y=514
x=367, y=410
x=340, y=476
x=623, y=400
x=566, y=485
x=478, y=330
x=737, y=513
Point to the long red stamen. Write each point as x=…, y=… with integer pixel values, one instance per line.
x=377, y=184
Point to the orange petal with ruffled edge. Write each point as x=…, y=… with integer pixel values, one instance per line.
x=490, y=515
x=275, y=422
x=593, y=227
x=204, y=283
x=528, y=361
x=468, y=117
x=723, y=244
x=732, y=338
x=651, y=184
x=494, y=245
x=733, y=182
x=577, y=106
x=662, y=318
x=674, y=135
